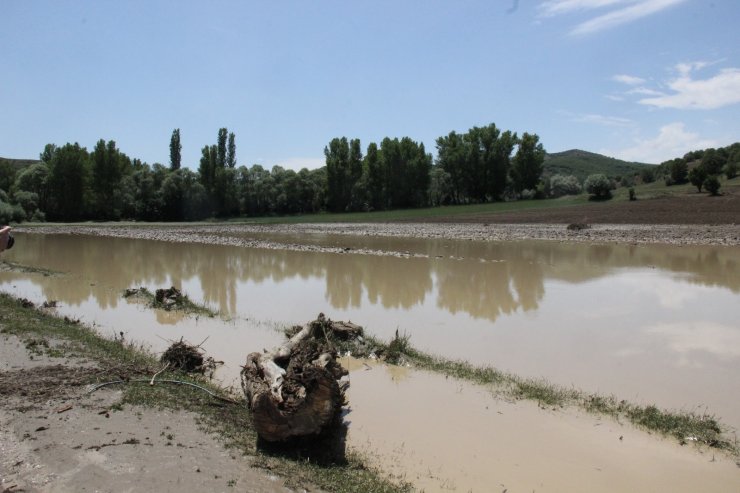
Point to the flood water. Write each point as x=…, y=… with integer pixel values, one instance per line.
x=651, y=324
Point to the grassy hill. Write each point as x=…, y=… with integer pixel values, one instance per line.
x=17, y=164
x=583, y=163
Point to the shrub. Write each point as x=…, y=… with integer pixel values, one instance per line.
x=731, y=170
x=647, y=175
x=632, y=193
x=697, y=176
x=6, y=213
x=564, y=185
x=711, y=184
x=598, y=186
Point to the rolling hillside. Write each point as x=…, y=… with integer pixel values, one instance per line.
x=583, y=163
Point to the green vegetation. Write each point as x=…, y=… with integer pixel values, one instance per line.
x=582, y=163
x=598, y=186
x=229, y=421
x=478, y=167
x=176, y=301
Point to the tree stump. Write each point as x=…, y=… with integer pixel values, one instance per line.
x=294, y=390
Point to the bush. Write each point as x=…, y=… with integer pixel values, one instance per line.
x=28, y=200
x=697, y=176
x=711, y=184
x=647, y=175
x=564, y=185
x=632, y=193
x=6, y=213
x=731, y=170
x=598, y=186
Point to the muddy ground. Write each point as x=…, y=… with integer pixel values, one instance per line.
x=55, y=437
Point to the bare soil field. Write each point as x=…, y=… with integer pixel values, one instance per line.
x=689, y=208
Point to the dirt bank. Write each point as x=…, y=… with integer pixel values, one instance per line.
x=56, y=437
x=248, y=235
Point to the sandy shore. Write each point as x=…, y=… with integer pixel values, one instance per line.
x=243, y=234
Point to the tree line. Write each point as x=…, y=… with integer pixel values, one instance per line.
x=70, y=183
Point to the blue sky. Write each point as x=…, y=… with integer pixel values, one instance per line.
x=643, y=80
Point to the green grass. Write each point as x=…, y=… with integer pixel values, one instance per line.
x=230, y=422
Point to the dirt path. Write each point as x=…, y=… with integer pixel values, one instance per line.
x=55, y=438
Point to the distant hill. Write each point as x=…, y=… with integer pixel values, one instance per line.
x=17, y=164
x=583, y=163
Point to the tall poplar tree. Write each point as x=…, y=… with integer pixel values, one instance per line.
x=231, y=151
x=175, y=150
x=221, y=147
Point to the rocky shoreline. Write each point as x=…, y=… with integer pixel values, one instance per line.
x=242, y=234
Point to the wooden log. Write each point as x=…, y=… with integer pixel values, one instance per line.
x=293, y=390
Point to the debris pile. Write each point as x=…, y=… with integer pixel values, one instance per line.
x=188, y=358
x=297, y=389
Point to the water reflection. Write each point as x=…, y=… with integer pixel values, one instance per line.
x=483, y=280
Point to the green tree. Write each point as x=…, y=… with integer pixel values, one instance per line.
x=175, y=150
x=679, y=171
x=564, y=185
x=34, y=179
x=68, y=178
x=337, y=155
x=451, y=158
x=221, y=147
x=731, y=169
x=712, y=185
x=528, y=163
x=375, y=175
x=231, y=151
x=697, y=175
x=107, y=171
x=599, y=186
x=713, y=160
x=48, y=154
x=439, y=186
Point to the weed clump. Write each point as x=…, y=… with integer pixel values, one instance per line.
x=187, y=358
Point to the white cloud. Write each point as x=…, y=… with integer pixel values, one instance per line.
x=607, y=121
x=630, y=80
x=645, y=91
x=556, y=7
x=623, y=16
x=672, y=140
x=721, y=90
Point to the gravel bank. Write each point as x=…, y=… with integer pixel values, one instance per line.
x=249, y=235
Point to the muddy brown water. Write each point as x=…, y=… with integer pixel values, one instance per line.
x=652, y=324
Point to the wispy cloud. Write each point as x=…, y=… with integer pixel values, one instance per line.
x=630, y=80
x=551, y=8
x=619, y=12
x=607, y=121
x=715, y=92
x=645, y=91
x=672, y=140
